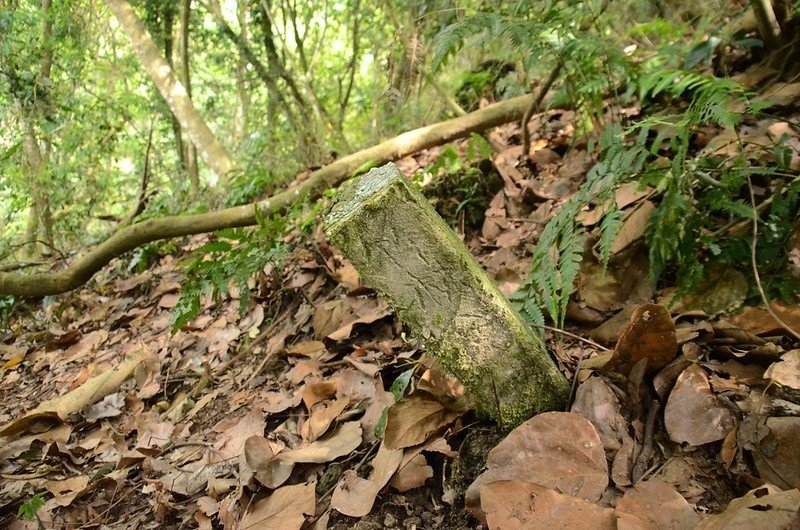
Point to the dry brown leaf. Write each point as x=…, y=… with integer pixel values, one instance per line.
x=692, y=414
x=313, y=393
x=650, y=335
x=766, y=507
x=343, y=441
x=633, y=226
x=558, y=450
x=415, y=418
x=230, y=442
x=595, y=401
x=514, y=505
x=758, y=321
x=412, y=474
x=321, y=418
x=312, y=349
x=777, y=457
x=285, y=509
x=625, y=282
x=65, y=491
x=786, y=372
x=89, y=342
x=335, y=319
x=355, y=496
x=654, y=505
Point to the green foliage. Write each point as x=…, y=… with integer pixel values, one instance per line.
x=248, y=187
x=8, y=305
x=697, y=193
x=233, y=259
x=27, y=510
x=398, y=390
x=556, y=259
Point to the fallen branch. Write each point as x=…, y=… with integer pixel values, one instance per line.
x=130, y=237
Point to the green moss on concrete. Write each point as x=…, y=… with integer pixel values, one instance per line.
x=404, y=250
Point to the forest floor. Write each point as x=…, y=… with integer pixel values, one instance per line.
x=267, y=418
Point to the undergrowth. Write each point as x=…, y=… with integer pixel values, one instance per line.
x=701, y=196
x=235, y=258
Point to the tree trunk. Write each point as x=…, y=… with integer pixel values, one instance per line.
x=768, y=26
x=191, y=152
x=130, y=237
x=173, y=91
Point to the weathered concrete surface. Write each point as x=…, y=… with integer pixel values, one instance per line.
x=404, y=250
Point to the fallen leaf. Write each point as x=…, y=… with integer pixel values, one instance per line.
x=692, y=414
x=765, y=507
x=655, y=505
x=65, y=491
x=355, y=496
x=776, y=456
x=758, y=321
x=285, y=509
x=344, y=440
x=415, y=418
x=514, y=504
x=558, y=450
x=595, y=401
x=650, y=335
x=633, y=226
x=412, y=474
x=786, y=372
x=321, y=418
x=230, y=443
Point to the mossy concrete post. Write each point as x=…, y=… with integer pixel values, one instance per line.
x=405, y=251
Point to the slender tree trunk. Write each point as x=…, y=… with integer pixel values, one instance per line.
x=36, y=161
x=768, y=26
x=168, y=15
x=37, y=156
x=191, y=152
x=261, y=70
x=173, y=91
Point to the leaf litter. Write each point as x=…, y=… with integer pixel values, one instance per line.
x=313, y=409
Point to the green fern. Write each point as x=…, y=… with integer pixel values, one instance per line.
x=232, y=260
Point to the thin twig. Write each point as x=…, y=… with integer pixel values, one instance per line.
x=755, y=264
x=571, y=335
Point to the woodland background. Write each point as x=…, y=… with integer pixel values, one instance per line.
x=164, y=166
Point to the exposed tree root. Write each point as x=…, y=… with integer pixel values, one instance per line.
x=130, y=237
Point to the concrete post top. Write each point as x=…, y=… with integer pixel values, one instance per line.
x=354, y=195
